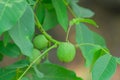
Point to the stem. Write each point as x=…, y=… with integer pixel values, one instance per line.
x=39, y=57
x=65, y=2
x=68, y=31
x=35, y=4
x=39, y=26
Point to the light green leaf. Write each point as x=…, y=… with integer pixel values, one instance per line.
x=61, y=12
x=104, y=68
x=55, y=72
x=23, y=32
x=38, y=73
x=80, y=11
x=88, y=41
x=25, y=78
x=97, y=53
x=117, y=60
x=9, y=50
x=90, y=21
x=10, y=12
x=83, y=20
x=48, y=23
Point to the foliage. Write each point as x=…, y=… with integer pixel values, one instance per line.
x=18, y=21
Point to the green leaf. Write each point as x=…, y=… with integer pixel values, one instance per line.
x=23, y=32
x=48, y=23
x=1, y=57
x=61, y=12
x=10, y=50
x=31, y=2
x=18, y=64
x=38, y=73
x=88, y=41
x=40, y=12
x=104, y=68
x=6, y=38
x=10, y=12
x=6, y=74
x=25, y=78
x=55, y=72
x=90, y=21
x=97, y=53
x=80, y=11
x=117, y=60
x=83, y=20
x=10, y=74
x=47, y=4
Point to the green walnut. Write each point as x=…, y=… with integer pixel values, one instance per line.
x=35, y=54
x=40, y=42
x=66, y=52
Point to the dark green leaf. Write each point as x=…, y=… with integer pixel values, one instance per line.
x=10, y=50
x=104, y=68
x=80, y=11
x=40, y=12
x=48, y=23
x=19, y=64
x=55, y=72
x=31, y=2
x=88, y=41
x=10, y=74
x=6, y=74
x=6, y=39
x=61, y=12
x=47, y=4
x=1, y=57
x=10, y=12
x=23, y=32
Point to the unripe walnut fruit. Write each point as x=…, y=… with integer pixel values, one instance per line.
x=66, y=52
x=35, y=54
x=40, y=42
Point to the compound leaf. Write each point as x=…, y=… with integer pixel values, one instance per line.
x=61, y=12
x=23, y=32
x=104, y=68
x=10, y=12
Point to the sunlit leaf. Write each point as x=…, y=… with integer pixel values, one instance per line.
x=10, y=12
x=104, y=68
x=88, y=41
x=80, y=11
x=23, y=32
